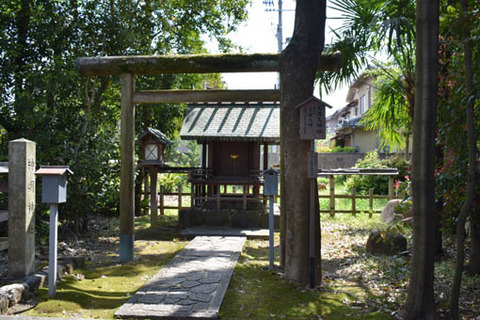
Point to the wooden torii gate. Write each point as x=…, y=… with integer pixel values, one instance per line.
x=127, y=67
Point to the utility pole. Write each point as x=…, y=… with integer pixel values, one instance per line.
x=280, y=27
x=270, y=6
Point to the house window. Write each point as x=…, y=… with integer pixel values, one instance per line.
x=362, y=104
x=369, y=97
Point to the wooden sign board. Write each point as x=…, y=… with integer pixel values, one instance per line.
x=312, y=165
x=312, y=119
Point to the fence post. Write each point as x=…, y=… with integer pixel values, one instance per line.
x=390, y=187
x=145, y=189
x=192, y=195
x=218, y=197
x=179, y=197
x=370, y=200
x=162, y=200
x=332, y=196
x=354, y=204
x=153, y=198
x=245, y=197
x=21, y=208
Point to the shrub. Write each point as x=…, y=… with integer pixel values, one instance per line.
x=344, y=149
x=362, y=184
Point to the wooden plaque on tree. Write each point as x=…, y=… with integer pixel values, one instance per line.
x=312, y=119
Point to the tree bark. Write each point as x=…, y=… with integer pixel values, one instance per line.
x=420, y=301
x=472, y=154
x=298, y=64
x=473, y=266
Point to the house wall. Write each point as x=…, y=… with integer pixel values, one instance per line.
x=364, y=140
x=341, y=160
x=364, y=88
x=337, y=160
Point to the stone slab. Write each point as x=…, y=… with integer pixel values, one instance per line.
x=17, y=317
x=192, y=285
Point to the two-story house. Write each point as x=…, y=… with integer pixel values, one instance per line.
x=345, y=123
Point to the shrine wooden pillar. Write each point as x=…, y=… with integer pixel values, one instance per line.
x=154, y=197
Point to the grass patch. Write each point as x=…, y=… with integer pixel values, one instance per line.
x=362, y=205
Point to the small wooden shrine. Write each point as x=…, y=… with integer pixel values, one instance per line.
x=231, y=135
x=152, y=146
x=152, y=143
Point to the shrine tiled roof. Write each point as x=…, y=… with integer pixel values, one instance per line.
x=233, y=121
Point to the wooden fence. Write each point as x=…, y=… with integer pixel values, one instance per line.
x=390, y=173
x=174, y=200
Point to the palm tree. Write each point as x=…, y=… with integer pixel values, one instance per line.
x=386, y=28
x=390, y=113
x=420, y=300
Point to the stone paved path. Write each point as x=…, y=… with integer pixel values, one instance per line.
x=192, y=285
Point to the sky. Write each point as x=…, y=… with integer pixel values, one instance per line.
x=258, y=35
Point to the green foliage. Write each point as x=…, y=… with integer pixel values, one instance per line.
x=379, y=26
x=182, y=153
x=74, y=120
x=344, y=149
x=389, y=114
x=385, y=27
x=171, y=181
x=451, y=150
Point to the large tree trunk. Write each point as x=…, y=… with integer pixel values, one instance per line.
x=472, y=154
x=298, y=63
x=420, y=302
x=473, y=266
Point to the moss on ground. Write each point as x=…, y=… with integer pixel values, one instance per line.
x=258, y=293
x=105, y=288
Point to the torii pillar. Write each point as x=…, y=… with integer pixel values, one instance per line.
x=127, y=169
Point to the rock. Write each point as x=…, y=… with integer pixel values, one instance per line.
x=3, y=302
x=388, y=214
x=35, y=281
x=76, y=262
x=14, y=292
x=78, y=277
x=68, y=268
x=386, y=243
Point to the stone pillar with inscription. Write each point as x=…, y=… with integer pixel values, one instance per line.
x=21, y=208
